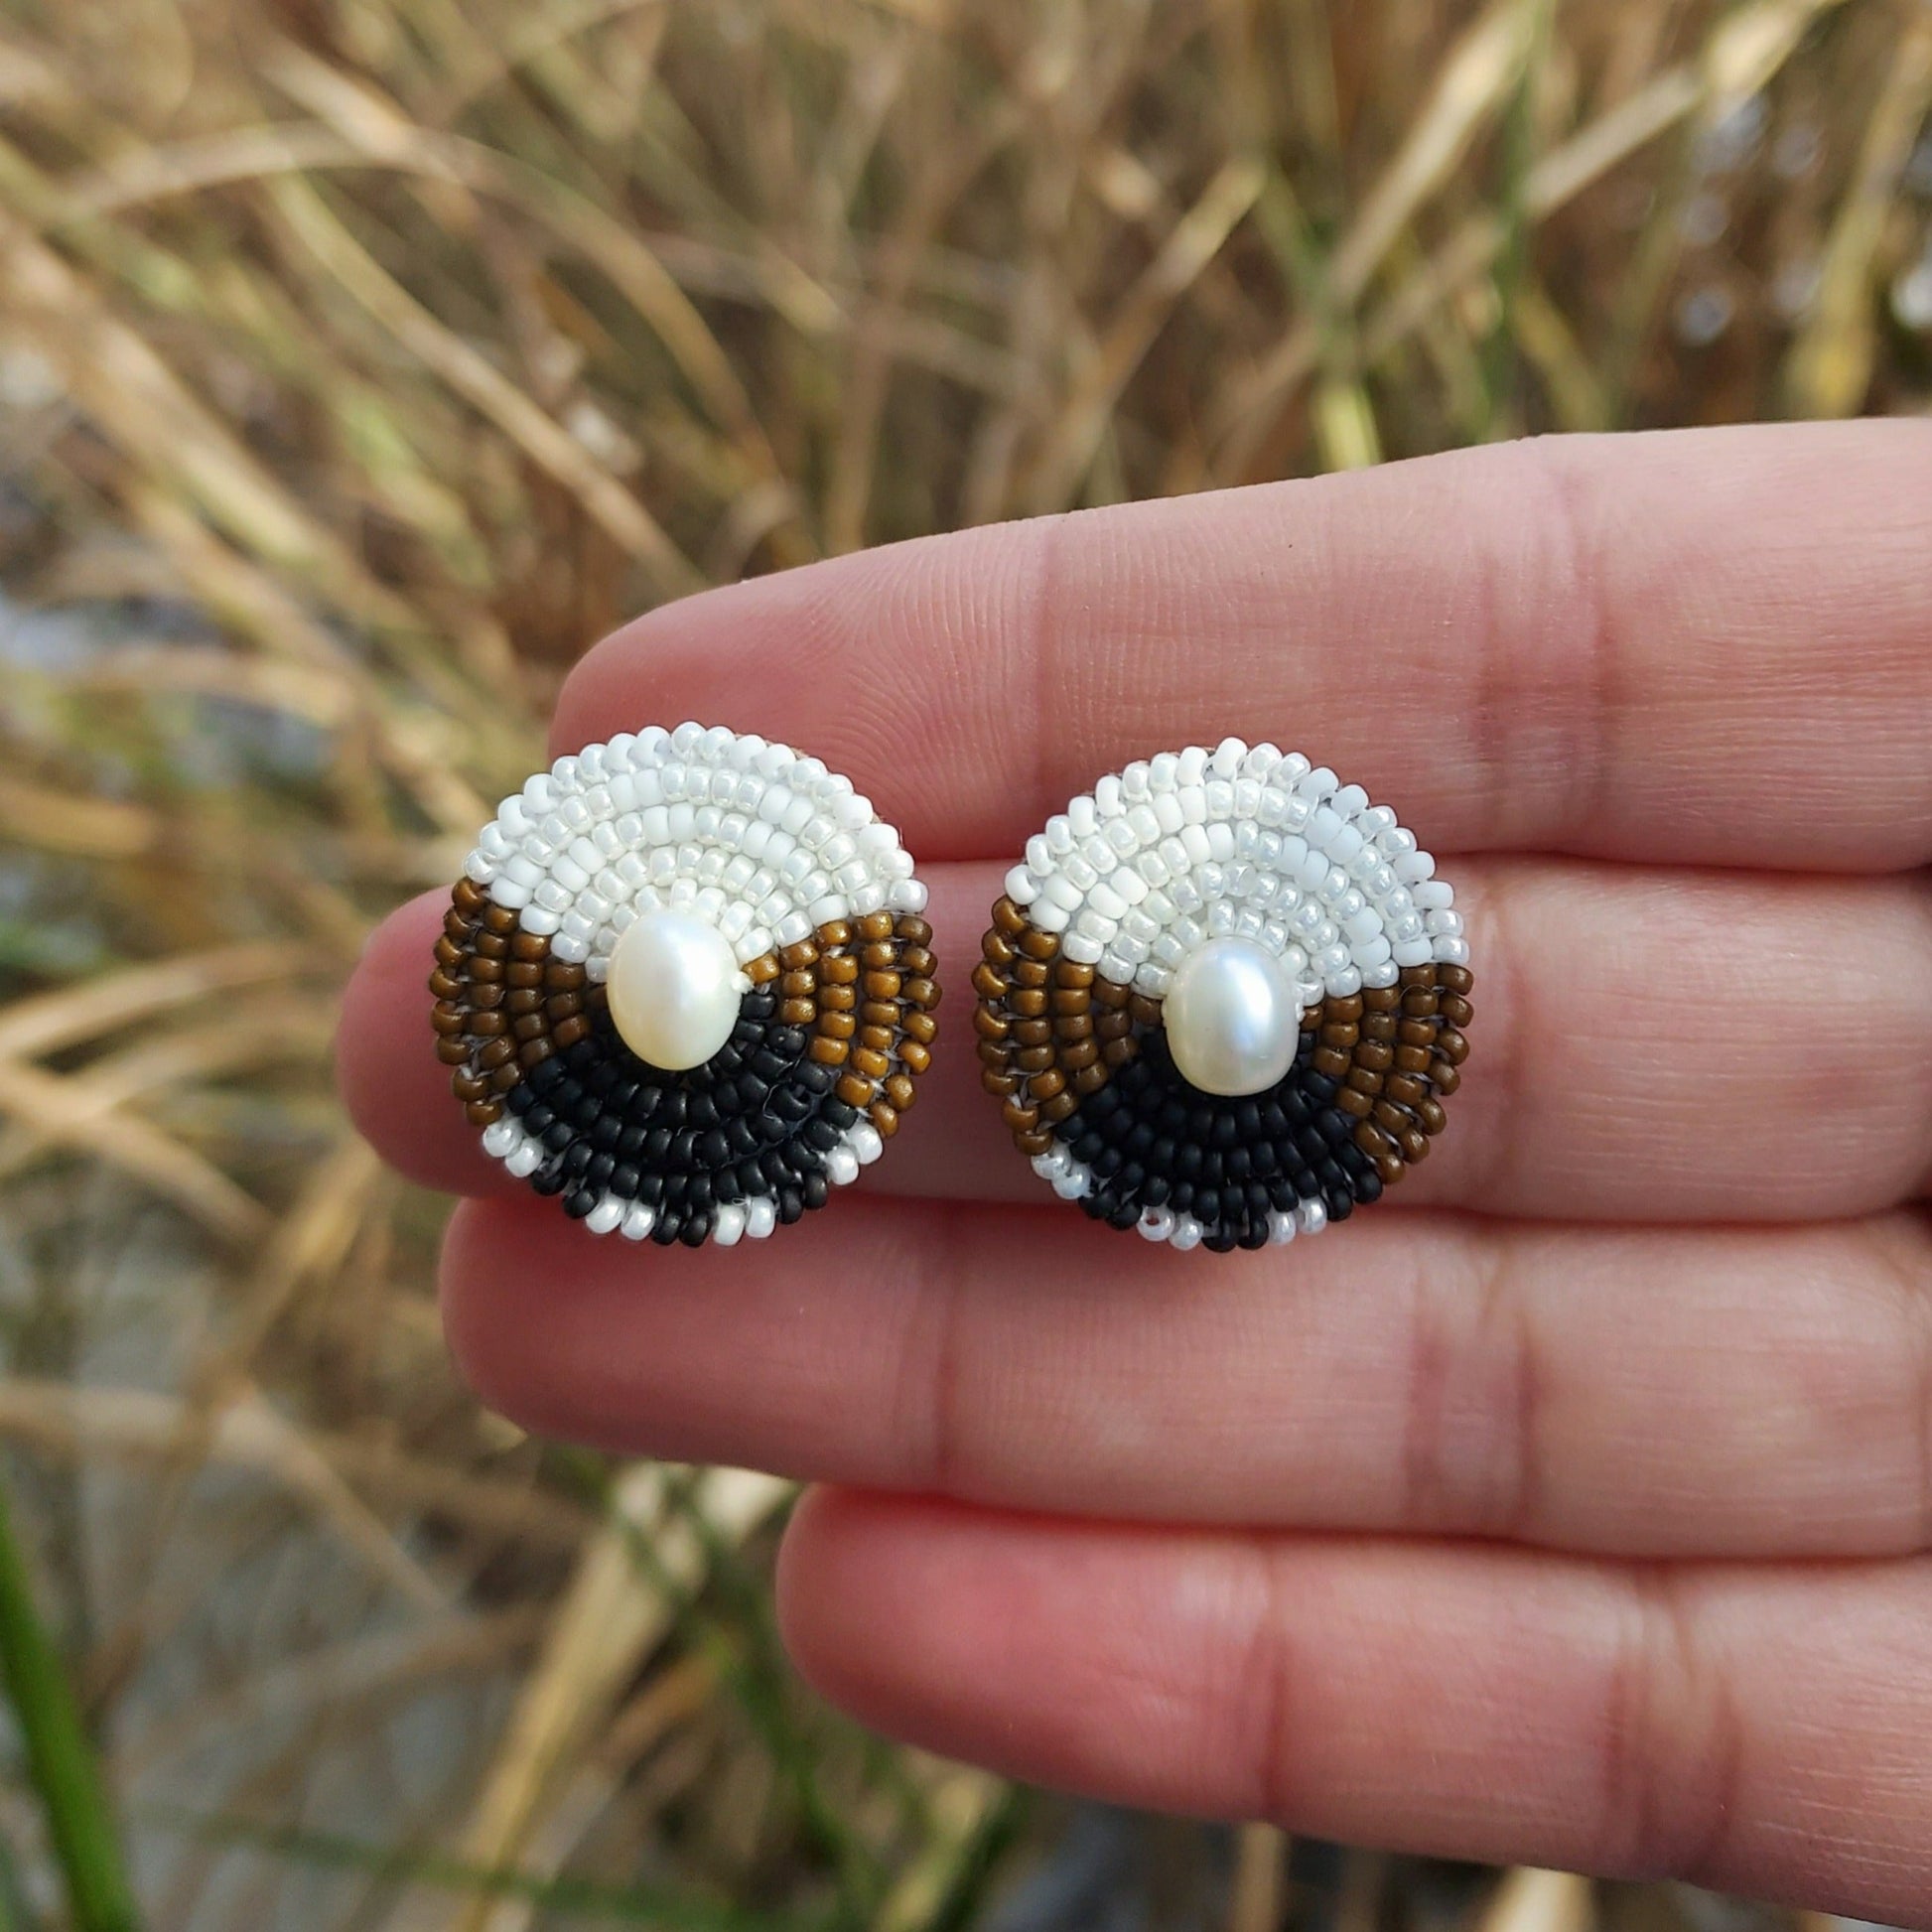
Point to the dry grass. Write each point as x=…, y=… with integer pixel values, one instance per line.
x=361, y=361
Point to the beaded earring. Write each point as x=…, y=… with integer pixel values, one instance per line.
x=1223, y=998
x=685, y=985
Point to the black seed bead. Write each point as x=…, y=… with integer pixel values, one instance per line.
x=675, y=1186
x=630, y=1141
x=751, y=1178
x=1161, y=1156
x=1131, y=1182
x=819, y=1135
x=1281, y=1196
x=792, y=1204
x=1312, y=1143
x=538, y=1118
x=815, y=1189
x=1237, y=1163
x=1207, y=1205
x=1219, y=1240
x=577, y=1157
x=1088, y=1147
x=1123, y=1214
x=1182, y=1200
x=624, y=1182
x=714, y=1148
x=761, y=1007
x=598, y=1169
x=839, y=1114
x=579, y=1203
x=1223, y=1132
x=604, y=1130
x=703, y=1111
x=544, y=1076
x=651, y=1186
x=699, y=1193
x=1189, y=1159
x=558, y=1136
x=1306, y=1185
x=1368, y=1187
x=549, y=1178
x=657, y=1145
x=1246, y=1118
x=1255, y=1235
x=1319, y=1087
x=788, y=1040
x=815, y=1078
x=666, y=1229
x=1107, y=1162
x=740, y=1139
x=1155, y=1189
x=694, y=1231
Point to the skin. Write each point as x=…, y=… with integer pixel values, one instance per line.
x=1574, y=1507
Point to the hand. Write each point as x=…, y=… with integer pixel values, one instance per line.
x=1572, y=1508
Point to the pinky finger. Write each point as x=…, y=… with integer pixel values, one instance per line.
x=1763, y=1729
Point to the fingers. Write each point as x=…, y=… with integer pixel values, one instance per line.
x=1711, y=646
x=1721, y=1391
x=1762, y=1729
x=1657, y=1046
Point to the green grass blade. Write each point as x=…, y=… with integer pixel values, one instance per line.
x=59, y=1757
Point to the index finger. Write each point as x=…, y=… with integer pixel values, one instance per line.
x=1707, y=646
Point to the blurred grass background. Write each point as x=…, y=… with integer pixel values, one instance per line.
x=360, y=363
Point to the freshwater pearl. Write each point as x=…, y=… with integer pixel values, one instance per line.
x=1233, y=1018
x=675, y=988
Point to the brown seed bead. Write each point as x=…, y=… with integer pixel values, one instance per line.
x=876, y=926
x=838, y=999
x=1046, y=1085
x=884, y=1117
x=466, y=896
x=836, y=1025
x=1082, y=1053
x=1364, y=1080
x=1038, y=945
x=996, y=948
x=885, y=986
x=469, y=1086
x=1429, y=1113
x=922, y=1027
x=1343, y=1035
x=1356, y=1104
x=1445, y=1077
x=900, y=1091
x=560, y=1006
x=562, y=977
x=798, y=1013
x=1117, y=1053
x=484, y=998
x=1378, y=1026
x=879, y=1013
x=1331, y=1061
x=1375, y=1054
x=828, y=1051
x=834, y=932
x=567, y=1032
x=1113, y=1026
x=492, y=946
x=1417, y=976
x=448, y=952
x=988, y=1024
x=911, y=926
x=523, y=972
x=453, y=1053
x=1112, y=994
x=764, y=969
x=1035, y=1059
x=1078, y=1026
x=487, y=1026
x=837, y=972
x=1371, y=1140
x=1006, y=917
x=882, y=958
x=918, y=963
x=446, y=1019
x=879, y=1039
x=1073, y=972
x=1059, y=1108
x=795, y=958
x=1028, y=1002
x=535, y=1052
x=1456, y=1010
x=1019, y=1117
x=1090, y=1080
x=853, y=1090
x=529, y=945
x=1032, y=1032
x=1412, y=1059
x=1452, y=1046
x=1033, y=1143
x=914, y=1055
x=1416, y=1033
x=1390, y=1167
x=1342, y=1007
x=1458, y=978
x=531, y=1026
x=484, y=1113
x=1000, y=1085
x=1406, y=1090
x=500, y=918
x=800, y=985
x=874, y=1066
x=489, y=1057
x=1143, y=1011
x=1396, y=1119
x=1031, y=973
x=1413, y=1144
x=1380, y=999
x=1071, y=999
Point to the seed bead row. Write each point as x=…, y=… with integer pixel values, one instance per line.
x=1240, y=841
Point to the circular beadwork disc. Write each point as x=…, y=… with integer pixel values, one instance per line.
x=826, y=952
x=1276, y=900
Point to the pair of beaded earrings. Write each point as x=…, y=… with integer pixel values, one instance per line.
x=686, y=984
